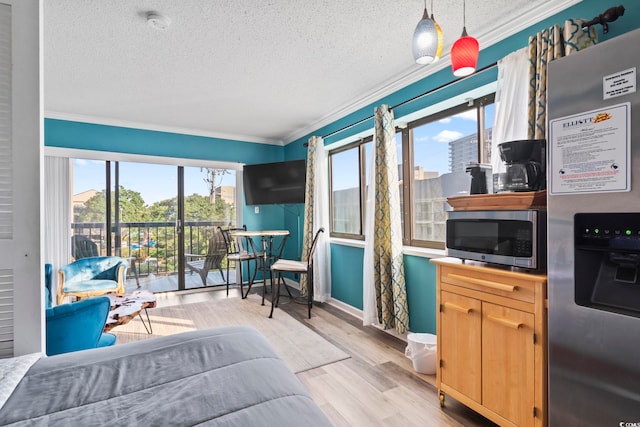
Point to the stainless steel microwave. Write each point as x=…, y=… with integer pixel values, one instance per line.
x=509, y=237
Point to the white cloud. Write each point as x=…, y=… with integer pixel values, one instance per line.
x=468, y=115
x=445, y=120
x=424, y=138
x=447, y=136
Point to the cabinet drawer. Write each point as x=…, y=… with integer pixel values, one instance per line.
x=505, y=286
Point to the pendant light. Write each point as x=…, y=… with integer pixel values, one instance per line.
x=464, y=52
x=440, y=36
x=425, y=39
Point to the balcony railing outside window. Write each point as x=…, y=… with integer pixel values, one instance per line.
x=151, y=245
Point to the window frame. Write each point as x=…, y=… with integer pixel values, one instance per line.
x=406, y=130
x=360, y=144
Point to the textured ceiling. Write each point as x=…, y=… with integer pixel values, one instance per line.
x=264, y=71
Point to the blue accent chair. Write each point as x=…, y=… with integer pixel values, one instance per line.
x=78, y=326
x=48, y=277
x=92, y=276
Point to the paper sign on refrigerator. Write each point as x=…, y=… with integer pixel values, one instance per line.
x=591, y=151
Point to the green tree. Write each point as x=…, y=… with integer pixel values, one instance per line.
x=132, y=207
x=198, y=208
x=164, y=210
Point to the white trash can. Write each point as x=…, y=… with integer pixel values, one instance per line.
x=421, y=349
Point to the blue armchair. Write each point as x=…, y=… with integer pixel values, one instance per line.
x=78, y=326
x=92, y=276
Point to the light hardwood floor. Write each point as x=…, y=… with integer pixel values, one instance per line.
x=376, y=386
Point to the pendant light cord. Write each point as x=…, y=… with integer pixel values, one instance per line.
x=464, y=13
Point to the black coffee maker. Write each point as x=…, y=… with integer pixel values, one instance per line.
x=525, y=161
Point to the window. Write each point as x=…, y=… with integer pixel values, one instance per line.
x=348, y=177
x=432, y=154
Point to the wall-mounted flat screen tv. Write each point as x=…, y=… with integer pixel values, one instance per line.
x=275, y=183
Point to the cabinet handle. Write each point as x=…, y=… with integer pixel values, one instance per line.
x=486, y=283
x=505, y=322
x=456, y=307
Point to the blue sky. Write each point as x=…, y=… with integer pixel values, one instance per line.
x=154, y=182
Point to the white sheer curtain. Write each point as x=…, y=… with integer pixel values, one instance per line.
x=322, y=256
x=316, y=215
x=369, y=304
x=511, y=104
x=57, y=215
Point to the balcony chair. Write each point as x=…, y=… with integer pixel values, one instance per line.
x=300, y=267
x=78, y=326
x=83, y=247
x=202, y=264
x=92, y=276
x=238, y=251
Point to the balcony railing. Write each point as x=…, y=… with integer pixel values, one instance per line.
x=153, y=246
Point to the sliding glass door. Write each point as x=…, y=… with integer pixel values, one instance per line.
x=156, y=216
x=144, y=219
x=209, y=203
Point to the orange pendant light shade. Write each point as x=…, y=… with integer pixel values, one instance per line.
x=440, y=39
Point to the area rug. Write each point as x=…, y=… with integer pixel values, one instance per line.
x=300, y=347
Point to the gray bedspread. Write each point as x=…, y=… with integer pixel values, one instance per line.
x=225, y=377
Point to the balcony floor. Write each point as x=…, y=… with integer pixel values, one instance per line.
x=169, y=283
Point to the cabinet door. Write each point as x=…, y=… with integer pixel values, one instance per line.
x=460, y=342
x=508, y=369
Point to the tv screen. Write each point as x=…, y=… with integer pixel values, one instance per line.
x=275, y=183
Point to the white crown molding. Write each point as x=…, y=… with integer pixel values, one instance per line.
x=416, y=73
x=158, y=128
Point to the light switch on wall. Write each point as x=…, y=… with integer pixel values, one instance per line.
x=257, y=209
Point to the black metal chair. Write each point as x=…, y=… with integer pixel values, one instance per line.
x=292, y=266
x=238, y=252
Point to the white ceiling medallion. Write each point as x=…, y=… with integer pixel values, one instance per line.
x=157, y=21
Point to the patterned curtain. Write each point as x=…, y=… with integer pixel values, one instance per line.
x=544, y=47
x=316, y=214
x=387, y=286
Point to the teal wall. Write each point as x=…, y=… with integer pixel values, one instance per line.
x=420, y=278
x=87, y=136
x=346, y=274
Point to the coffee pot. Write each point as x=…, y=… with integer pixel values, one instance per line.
x=525, y=165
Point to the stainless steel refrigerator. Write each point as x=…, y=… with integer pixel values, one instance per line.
x=594, y=235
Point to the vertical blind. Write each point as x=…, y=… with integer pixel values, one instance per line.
x=6, y=181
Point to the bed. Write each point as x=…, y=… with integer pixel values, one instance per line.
x=224, y=377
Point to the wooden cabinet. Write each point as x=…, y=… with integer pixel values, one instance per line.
x=491, y=329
